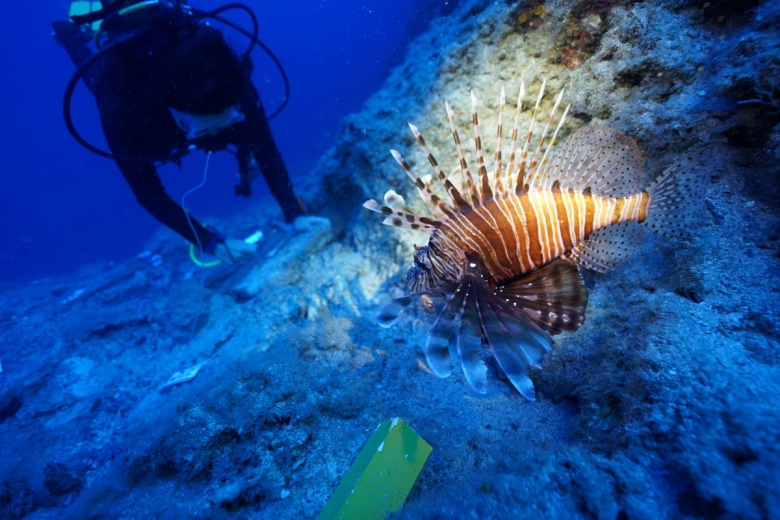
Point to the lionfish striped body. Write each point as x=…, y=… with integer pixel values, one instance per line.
x=519, y=233
x=504, y=252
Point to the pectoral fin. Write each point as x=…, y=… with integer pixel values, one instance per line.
x=554, y=296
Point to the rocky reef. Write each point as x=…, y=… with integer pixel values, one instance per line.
x=662, y=405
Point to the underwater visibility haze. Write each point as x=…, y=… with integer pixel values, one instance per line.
x=577, y=314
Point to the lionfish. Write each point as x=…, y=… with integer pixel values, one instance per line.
x=505, y=250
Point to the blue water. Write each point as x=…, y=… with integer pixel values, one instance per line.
x=61, y=206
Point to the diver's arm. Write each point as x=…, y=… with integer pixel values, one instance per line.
x=75, y=41
x=150, y=193
x=257, y=138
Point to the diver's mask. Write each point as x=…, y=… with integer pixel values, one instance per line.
x=199, y=125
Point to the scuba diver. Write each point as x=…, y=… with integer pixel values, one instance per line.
x=167, y=83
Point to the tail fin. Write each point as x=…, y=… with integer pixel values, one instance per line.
x=677, y=195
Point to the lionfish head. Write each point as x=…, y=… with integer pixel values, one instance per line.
x=420, y=277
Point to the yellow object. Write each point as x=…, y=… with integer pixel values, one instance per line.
x=197, y=261
x=382, y=475
x=534, y=12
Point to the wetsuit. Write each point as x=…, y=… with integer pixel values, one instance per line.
x=136, y=84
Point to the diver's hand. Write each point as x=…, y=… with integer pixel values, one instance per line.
x=234, y=250
x=68, y=34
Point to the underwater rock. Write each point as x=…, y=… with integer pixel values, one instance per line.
x=311, y=235
x=17, y=499
x=61, y=481
x=9, y=406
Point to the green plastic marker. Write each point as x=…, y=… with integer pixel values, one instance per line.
x=382, y=476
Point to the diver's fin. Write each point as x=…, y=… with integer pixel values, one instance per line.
x=609, y=247
x=553, y=296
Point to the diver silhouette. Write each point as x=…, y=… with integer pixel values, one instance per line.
x=167, y=83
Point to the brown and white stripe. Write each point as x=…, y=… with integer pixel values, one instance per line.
x=519, y=233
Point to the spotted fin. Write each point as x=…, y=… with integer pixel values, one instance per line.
x=677, y=195
x=513, y=178
x=595, y=157
x=609, y=247
x=437, y=344
x=471, y=319
x=402, y=217
x=517, y=344
x=509, y=183
x=389, y=314
x=397, y=202
x=499, y=189
x=455, y=337
x=468, y=341
x=554, y=296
